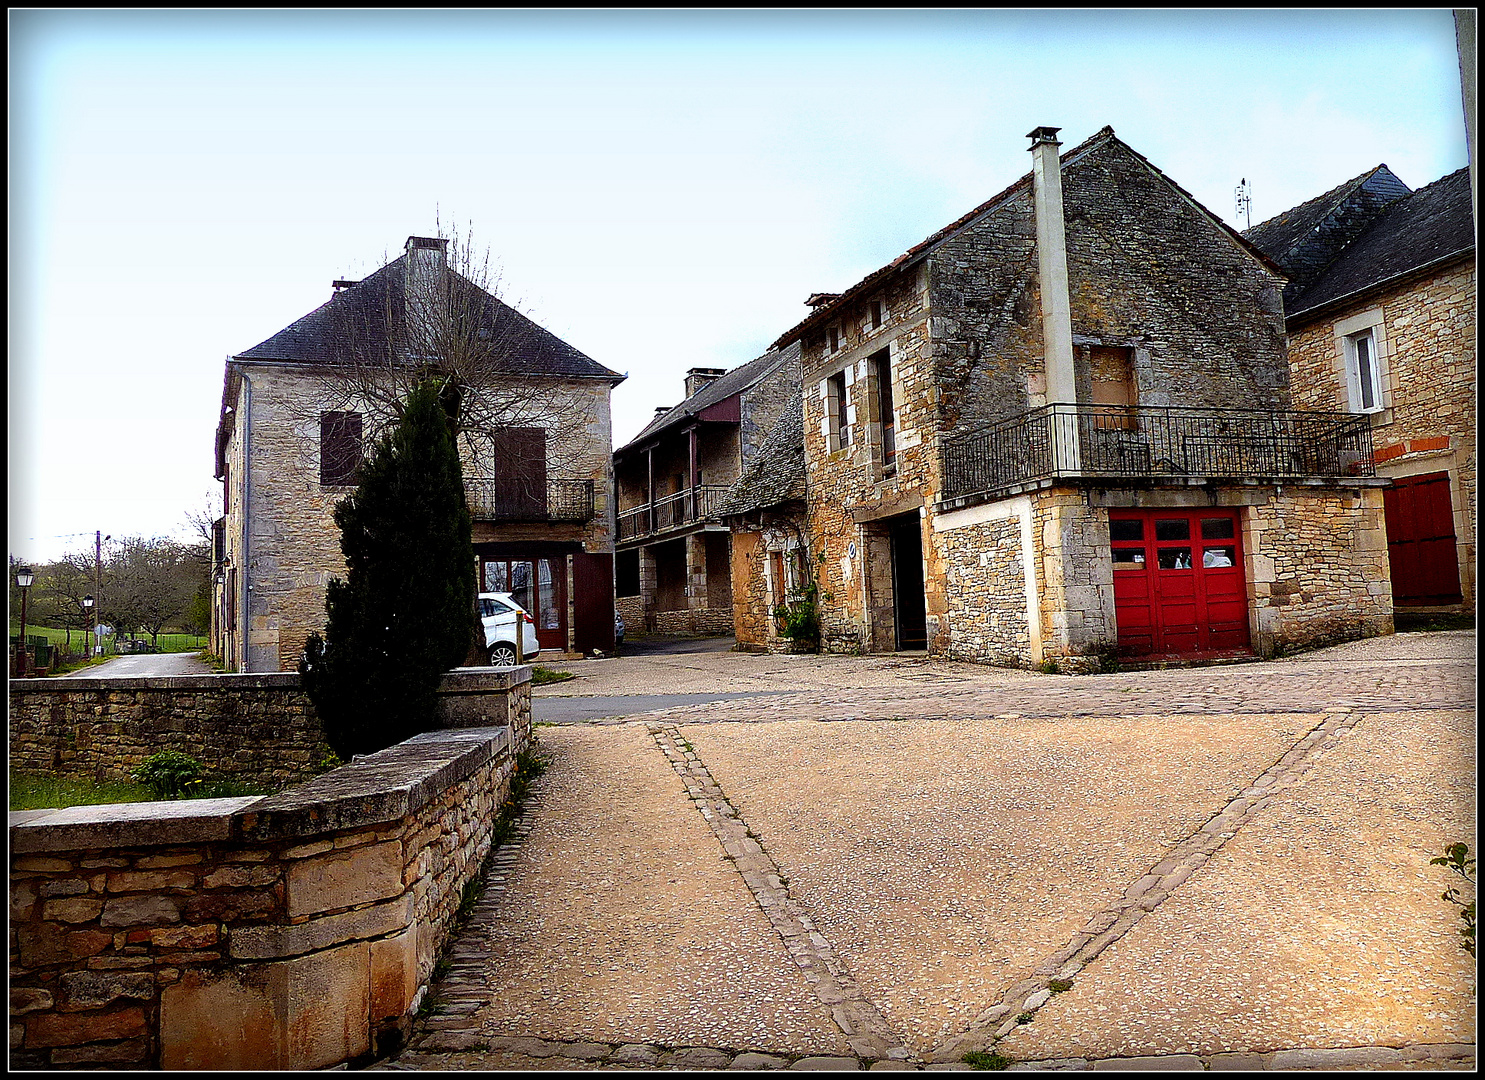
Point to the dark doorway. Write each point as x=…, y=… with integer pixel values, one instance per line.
x=908, y=606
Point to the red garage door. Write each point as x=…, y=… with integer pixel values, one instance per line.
x=1178, y=582
x=1420, y=541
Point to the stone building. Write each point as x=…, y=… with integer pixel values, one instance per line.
x=1061, y=429
x=672, y=551
x=1380, y=311
x=294, y=422
x=765, y=511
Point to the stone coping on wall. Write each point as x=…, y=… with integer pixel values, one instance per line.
x=460, y=680
x=386, y=786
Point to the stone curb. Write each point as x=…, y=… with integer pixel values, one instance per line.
x=559, y=1055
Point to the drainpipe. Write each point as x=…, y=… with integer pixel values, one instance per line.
x=1051, y=252
x=247, y=485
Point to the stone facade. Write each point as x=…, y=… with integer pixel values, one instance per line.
x=322, y=384
x=294, y=547
x=1317, y=568
x=672, y=476
x=1190, y=312
x=1426, y=333
x=295, y=931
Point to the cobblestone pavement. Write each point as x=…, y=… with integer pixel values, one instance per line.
x=1219, y=868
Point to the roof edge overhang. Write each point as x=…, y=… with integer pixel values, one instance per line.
x=1301, y=319
x=913, y=256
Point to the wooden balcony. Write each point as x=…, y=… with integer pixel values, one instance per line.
x=672, y=513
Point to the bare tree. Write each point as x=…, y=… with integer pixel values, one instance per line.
x=436, y=312
x=61, y=586
x=151, y=583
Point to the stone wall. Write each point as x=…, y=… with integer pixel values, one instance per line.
x=294, y=931
x=1426, y=337
x=1317, y=568
x=984, y=556
x=706, y=622
x=258, y=729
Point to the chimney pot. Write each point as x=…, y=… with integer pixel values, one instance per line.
x=1043, y=135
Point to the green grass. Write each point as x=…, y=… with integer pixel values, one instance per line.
x=43, y=791
x=987, y=1059
x=171, y=642
x=540, y=676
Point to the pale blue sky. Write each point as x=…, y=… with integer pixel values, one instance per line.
x=660, y=189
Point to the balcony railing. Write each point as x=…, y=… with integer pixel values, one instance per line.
x=1073, y=441
x=671, y=512
x=529, y=500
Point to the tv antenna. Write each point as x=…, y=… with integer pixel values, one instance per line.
x=1244, y=196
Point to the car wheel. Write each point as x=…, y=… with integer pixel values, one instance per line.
x=503, y=655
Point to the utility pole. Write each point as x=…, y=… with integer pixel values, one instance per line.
x=97, y=587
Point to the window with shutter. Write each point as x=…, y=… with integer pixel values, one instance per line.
x=340, y=447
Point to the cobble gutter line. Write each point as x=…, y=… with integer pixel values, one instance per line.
x=865, y=1029
x=1112, y=922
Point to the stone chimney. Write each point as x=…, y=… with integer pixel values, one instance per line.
x=1051, y=253
x=698, y=377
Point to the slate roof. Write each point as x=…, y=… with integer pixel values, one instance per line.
x=1432, y=223
x=379, y=298
x=776, y=473
x=720, y=389
x=1307, y=238
x=825, y=312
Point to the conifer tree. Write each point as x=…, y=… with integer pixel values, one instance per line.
x=405, y=612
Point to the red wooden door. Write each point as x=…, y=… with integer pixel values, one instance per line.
x=1420, y=541
x=1178, y=582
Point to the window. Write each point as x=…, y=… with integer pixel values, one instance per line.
x=881, y=373
x=874, y=315
x=833, y=339
x=1363, y=374
x=838, y=407
x=340, y=447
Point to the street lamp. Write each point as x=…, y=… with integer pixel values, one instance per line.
x=23, y=578
x=88, y=610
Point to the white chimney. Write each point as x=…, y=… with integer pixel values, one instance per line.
x=423, y=286
x=1051, y=252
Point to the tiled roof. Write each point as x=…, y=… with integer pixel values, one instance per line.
x=379, y=298
x=719, y=389
x=1305, y=239
x=1430, y=224
x=776, y=473
x=825, y=312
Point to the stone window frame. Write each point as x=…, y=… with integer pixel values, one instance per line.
x=840, y=412
x=1367, y=324
x=879, y=362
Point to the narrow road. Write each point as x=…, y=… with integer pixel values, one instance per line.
x=146, y=664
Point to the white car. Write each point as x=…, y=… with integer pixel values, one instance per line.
x=500, y=615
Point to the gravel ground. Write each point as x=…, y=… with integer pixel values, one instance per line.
x=953, y=834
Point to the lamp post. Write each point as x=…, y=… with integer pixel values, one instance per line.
x=88, y=610
x=23, y=578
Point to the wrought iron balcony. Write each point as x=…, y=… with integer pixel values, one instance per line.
x=1148, y=442
x=684, y=508
x=529, y=500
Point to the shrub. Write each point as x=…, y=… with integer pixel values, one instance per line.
x=1458, y=859
x=405, y=612
x=168, y=772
